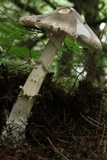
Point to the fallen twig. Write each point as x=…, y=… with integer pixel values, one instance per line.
x=55, y=149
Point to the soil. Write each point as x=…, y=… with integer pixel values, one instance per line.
x=63, y=125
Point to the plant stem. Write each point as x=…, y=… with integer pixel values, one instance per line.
x=13, y=135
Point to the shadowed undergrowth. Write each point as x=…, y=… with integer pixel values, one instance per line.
x=62, y=125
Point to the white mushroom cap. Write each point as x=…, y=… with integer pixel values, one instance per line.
x=65, y=19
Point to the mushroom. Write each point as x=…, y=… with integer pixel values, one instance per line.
x=59, y=23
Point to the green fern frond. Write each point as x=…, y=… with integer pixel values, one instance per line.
x=10, y=31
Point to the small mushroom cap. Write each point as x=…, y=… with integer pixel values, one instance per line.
x=64, y=19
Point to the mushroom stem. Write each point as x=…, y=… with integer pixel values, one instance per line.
x=13, y=135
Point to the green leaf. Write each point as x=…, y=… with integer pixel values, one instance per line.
x=22, y=52
x=73, y=45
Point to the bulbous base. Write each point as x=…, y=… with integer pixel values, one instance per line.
x=13, y=135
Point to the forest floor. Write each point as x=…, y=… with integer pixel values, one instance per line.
x=63, y=125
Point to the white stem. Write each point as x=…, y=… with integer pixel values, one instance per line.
x=13, y=134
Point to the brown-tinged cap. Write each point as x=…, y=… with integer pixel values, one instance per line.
x=64, y=19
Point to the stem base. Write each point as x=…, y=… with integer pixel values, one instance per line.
x=13, y=135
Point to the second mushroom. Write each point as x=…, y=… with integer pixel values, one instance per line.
x=59, y=23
